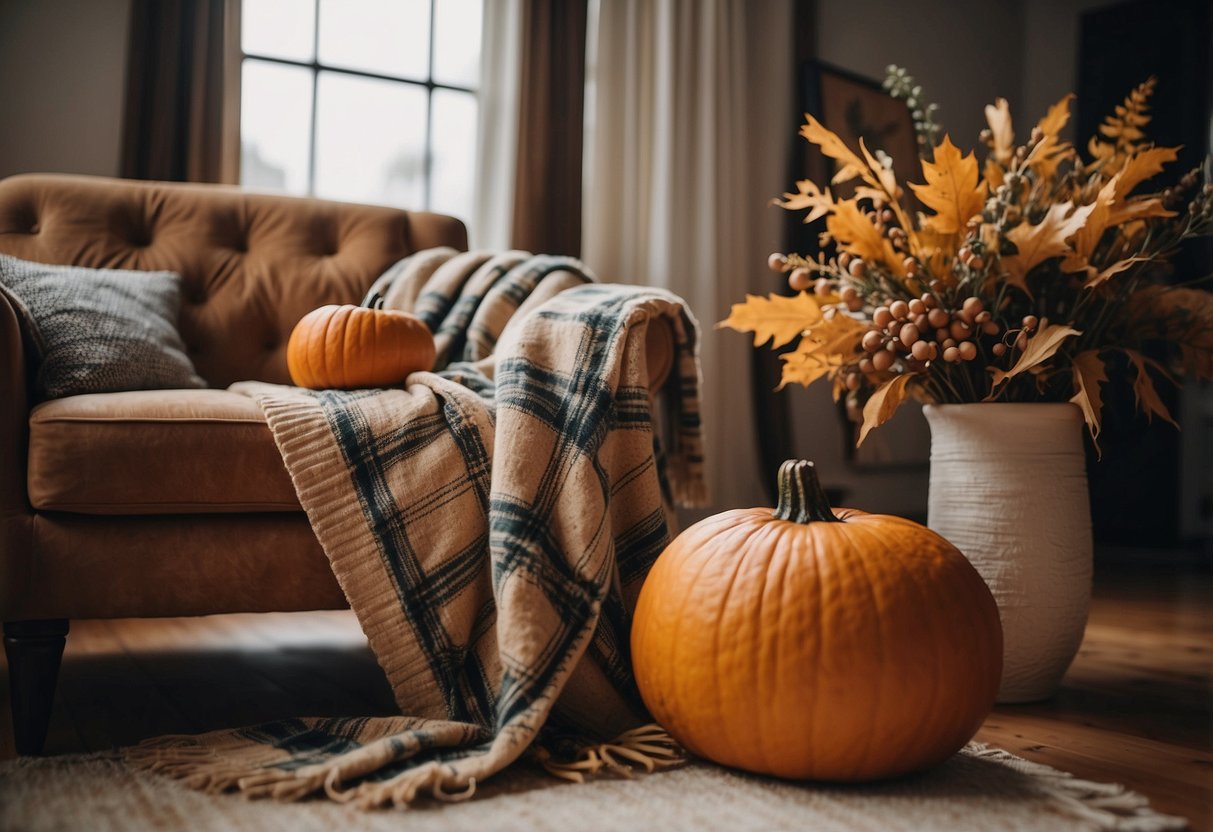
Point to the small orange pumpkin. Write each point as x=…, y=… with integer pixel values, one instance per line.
x=812, y=646
x=349, y=346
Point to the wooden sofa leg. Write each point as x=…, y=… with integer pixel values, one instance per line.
x=34, y=650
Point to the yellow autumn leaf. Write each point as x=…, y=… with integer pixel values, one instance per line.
x=1089, y=373
x=1142, y=166
x=1137, y=209
x=1037, y=243
x=1143, y=387
x=825, y=346
x=779, y=319
x=883, y=403
x=804, y=368
x=1112, y=270
x=1052, y=122
x=808, y=196
x=849, y=165
x=1041, y=347
x=1098, y=221
x=1002, y=136
x=951, y=190
x=1050, y=151
x=855, y=232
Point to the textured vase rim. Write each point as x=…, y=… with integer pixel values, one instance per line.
x=1038, y=408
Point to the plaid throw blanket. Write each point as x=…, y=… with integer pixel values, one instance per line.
x=491, y=525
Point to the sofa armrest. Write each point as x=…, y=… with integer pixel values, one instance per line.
x=16, y=516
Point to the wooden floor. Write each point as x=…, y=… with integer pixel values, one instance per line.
x=1135, y=708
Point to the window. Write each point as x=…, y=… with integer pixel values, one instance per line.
x=361, y=100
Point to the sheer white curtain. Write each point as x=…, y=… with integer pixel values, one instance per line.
x=687, y=143
x=497, y=128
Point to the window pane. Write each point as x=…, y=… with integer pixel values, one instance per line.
x=275, y=126
x=279, y=28
x=389, y=37
x=457, y=42
x=454, y=153
x=370, y=140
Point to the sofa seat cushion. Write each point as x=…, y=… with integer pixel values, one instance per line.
x=155, y=452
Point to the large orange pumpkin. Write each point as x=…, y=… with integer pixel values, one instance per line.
x=350, y=346
x=807, y=645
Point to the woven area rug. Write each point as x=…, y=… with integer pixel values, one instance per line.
x=978, y=789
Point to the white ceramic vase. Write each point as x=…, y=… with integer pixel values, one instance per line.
x=1009, y=489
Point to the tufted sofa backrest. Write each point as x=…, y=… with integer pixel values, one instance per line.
x=252, y=264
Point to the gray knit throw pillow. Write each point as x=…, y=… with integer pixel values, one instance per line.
x=101, y=330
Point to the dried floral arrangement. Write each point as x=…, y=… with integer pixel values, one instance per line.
x=1026, y=280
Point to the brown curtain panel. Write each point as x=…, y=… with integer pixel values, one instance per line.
x=183, y=91
x=547, y=190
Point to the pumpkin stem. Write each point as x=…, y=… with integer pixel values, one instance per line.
x=373, y=300
x=801, y=497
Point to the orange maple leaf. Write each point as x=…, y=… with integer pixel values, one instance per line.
x=951, y=190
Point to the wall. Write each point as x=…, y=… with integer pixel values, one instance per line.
x=1050, y=60
x=62, y=84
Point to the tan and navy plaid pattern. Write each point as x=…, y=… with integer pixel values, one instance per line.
x=490, y=523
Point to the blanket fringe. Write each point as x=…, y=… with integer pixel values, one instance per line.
x=648, y=747
x=201, y=768
x=1109, y=807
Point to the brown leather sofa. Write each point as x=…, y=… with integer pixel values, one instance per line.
x=172, y=502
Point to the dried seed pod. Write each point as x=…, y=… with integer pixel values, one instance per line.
x=856, y=268
x=822, y=287
x=844, y=260
x=848, y=293
x=910, y=264
x=921, y=350
x=900, y=309
x=999, y=350
x=968, y=350
x=777, y=262
x=909, y=334
x=854, y=304
x=866, y=365
x=1030, y=322
x=892, y=344
x=799, y=279
x=949, y=342
x=951, y=355
x=917, y=307
x=921, y=322
x=941, y=335
x=853, y=381
x=960, y=330
x=982, y=317
x=882, y=317
x=990, y=327
x=882, y=361
x=929, y=300
x=973, y=306
x=886, y=216
x=872, y=341
x=938, y=318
